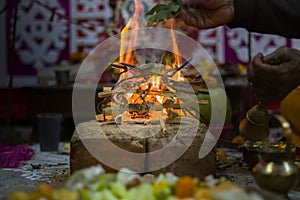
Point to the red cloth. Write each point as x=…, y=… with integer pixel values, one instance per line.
x=10, y=156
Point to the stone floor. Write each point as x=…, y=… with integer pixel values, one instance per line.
x=45, y=167
x=53, y=168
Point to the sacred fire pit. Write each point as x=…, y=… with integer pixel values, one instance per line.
x=149, y=106
x=142, y=113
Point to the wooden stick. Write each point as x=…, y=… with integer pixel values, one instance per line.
x=128, y=65
x=182, y=66
x=119, y=66
x=163, y=124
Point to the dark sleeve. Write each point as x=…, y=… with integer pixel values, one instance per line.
x=281, y=17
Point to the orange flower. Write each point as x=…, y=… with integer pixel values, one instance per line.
x=238, y=140
x=185, y=187
x=222, y=155
x=76, y=57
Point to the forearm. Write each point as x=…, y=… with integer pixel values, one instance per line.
x=268, y=16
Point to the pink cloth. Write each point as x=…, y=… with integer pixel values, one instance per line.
x=10, y=156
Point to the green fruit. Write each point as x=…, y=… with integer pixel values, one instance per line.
x=205, y=110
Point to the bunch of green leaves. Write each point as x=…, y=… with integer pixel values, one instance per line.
x=161, y=12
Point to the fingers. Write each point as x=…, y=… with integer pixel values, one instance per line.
x=205, y=14
x=263, y=80
x=257, y=68
x=274, y=76
x=278, y=56
x=183, y=15
x=195, y=2
x=191, y=17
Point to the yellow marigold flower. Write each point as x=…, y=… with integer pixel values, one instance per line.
x=160, y=186
x=162, y=190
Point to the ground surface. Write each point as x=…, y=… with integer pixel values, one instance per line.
x=53, y=168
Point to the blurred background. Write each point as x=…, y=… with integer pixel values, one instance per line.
x=52, y=37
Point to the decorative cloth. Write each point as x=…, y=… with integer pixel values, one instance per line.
x=10, y=156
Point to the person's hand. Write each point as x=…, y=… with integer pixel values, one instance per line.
x=275, y=75
x=205, y=14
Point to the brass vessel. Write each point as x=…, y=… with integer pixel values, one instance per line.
x=255, y=126
x=297, y=162
x=276, y=171
x=250, y=152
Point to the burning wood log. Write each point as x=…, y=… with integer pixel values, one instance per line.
x=119, y=66
x=149, y=85
x=103, y=118
x=111, y=92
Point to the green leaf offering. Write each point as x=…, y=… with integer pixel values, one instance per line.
x=161, y=12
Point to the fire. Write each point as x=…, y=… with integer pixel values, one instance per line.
x=155, y=83
x=176, y=52
x=175, y=47
x=128, y=44
x=160, y=99
x=151, y=91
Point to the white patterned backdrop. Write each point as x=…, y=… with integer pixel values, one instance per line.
x=44, y=39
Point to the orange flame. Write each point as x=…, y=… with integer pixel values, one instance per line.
x=176, y=62
x=175, y=47
x=155, y=83
x=128, y=44
x=127, y=47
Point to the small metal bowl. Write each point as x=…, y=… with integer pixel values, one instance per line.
x=252, y=149
x=250, y=152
